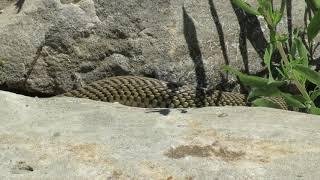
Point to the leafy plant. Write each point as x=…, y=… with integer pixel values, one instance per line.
x=294, y=68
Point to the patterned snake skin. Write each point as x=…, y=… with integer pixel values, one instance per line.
x=152, y=93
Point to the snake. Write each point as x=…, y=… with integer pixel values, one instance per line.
x=145, y=92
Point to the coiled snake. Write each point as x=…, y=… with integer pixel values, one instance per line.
x=152, y=93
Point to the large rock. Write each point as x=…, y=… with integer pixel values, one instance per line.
x=66, y=138
x=52, y=46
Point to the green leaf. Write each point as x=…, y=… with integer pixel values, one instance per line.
x=316, y=3
x=266, y=91
x=281, y=73
x=314, y=94
x=261, y=2
x=253, y=81
x=267, y=60
x=302, y=50
x=261, y=11
x=246, y=7
x=282, y=38
x=262, y=102
x=295, y=36
x=314, y=26
x=276, y=18
x=312, y=75
x=293, y=49
x=315, y=110
x=293, y=101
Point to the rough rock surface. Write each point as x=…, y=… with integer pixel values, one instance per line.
x=53, y=46
x=67, y=138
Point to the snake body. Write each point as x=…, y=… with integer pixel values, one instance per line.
x=152, y=93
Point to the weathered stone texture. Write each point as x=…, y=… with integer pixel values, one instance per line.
x=53, y=46
x=68, y=138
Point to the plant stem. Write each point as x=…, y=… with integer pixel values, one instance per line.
x=300, y=87
x=273, y=33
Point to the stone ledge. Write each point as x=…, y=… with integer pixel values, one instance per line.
x=61, y=138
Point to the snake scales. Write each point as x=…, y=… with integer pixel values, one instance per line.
x=152, y=93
